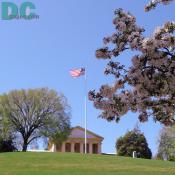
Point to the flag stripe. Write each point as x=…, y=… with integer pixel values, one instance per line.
x=77, y=72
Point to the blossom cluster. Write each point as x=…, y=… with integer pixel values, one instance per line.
x=128, y=34
x=153, y=3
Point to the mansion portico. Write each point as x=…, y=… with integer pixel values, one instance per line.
x=75, y=142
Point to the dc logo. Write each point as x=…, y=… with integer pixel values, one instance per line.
x=12, y=11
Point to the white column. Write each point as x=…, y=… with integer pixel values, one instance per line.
x=90, y=148
x=63, y=147
x=81, y=147
x=99, y=148
x=53, y=149
x=72, y=147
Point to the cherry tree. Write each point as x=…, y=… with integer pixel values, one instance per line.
x=148, y=85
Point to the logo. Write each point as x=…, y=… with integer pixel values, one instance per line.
x=25, y=11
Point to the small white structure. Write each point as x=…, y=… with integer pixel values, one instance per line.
x=134, y=154
x=75, y=142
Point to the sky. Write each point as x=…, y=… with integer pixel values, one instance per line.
x=40, y=52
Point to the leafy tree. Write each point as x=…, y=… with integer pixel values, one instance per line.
x=147, y=87
x=6, y=132
x=133, y=141
x=35, y=113
x=166, y=149
x=7, y=136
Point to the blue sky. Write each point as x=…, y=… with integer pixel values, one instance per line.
x=40, y=53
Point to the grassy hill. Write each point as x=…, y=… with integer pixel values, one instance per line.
x=77, y=164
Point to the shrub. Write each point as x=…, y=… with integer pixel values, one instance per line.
x=7, y=145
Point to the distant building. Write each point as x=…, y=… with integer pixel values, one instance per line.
x=75, y=142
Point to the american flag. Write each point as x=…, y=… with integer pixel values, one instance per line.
x=77, y=72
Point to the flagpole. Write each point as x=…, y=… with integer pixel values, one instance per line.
x=85, y=113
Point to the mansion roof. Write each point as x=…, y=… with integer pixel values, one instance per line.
x=79, y=132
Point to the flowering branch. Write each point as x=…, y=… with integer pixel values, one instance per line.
x=153, y=3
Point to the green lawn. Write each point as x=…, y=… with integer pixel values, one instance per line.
x=77, y=164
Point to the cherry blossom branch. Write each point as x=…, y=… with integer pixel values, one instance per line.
x=153, y=3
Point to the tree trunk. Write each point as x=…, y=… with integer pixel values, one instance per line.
x=25, y=144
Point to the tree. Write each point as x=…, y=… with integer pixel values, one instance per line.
x=133, y=141
x=147, y=87
x=166, y=149
x=35, y=113
x=6, y=132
